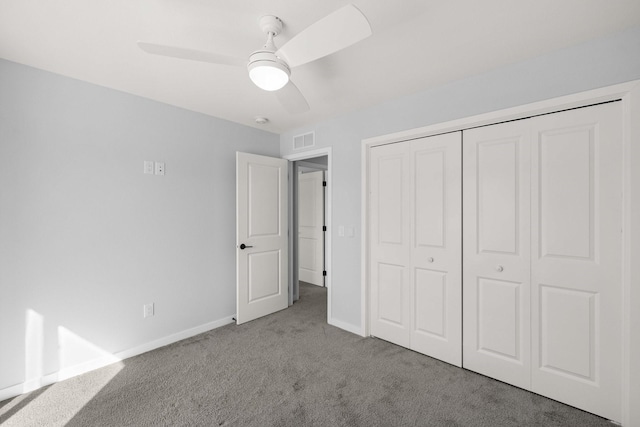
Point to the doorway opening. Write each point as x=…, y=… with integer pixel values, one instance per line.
x=309, y=223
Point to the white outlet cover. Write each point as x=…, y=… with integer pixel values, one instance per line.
x=159, y=168
x=148, y=310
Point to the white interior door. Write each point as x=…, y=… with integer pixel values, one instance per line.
x=261, y=236
x=416, y=245
x=576, y=258
x=496, y=223
x=310, y=223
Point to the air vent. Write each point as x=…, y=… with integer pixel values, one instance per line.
x=305, y=140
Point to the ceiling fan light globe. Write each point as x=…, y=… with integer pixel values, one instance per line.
x=268, y=77
x=267, y=71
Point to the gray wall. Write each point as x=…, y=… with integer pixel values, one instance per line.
x=86, y=238
x=602, y=62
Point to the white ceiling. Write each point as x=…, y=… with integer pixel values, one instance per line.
x=416, y=44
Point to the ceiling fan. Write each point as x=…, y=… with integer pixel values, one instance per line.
x=269, y=67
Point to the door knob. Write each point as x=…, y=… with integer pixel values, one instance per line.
x=499, y=269
x=243, y=246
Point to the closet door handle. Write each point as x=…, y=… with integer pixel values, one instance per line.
x=499, y=269
x=243, y=246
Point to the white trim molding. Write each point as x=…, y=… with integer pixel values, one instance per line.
x=346, y=326
x=629, y=94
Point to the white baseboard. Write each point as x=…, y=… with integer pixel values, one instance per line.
x=170, y=339
x=346, y=326
x=81, y=368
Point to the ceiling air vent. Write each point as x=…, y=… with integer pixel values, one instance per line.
x=305, y=140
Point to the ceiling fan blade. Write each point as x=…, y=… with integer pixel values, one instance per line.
x=191, y=54
x=332, y=33
x=292, y=99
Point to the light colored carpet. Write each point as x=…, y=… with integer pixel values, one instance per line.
x=287, y=369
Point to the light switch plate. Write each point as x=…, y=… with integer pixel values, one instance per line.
x=148, y=167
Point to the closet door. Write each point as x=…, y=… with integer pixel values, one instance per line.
x=390, y=249
x=415, y=257
x=496, y=224
x=576, y=258
x=436, y=239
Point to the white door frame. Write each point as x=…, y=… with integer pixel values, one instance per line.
x=327, y=256
x=629, y=94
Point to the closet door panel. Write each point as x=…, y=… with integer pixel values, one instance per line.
x=498, y=318
x=576, y=258
x=496, y=272
x=436, y=247
x=430, y=297
x=429, y=194
x=390, y=270
x=497, y=196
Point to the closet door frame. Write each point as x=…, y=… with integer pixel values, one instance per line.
x=629, y=95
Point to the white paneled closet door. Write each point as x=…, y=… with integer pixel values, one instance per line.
x=576, y=283
x=436, y=247
x=496, y=161
x=416, y=245
x=390, y=254
x=542, y=255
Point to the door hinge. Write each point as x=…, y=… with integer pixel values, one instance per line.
x=324, y=183
x=324, y=228
x=324, y=273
